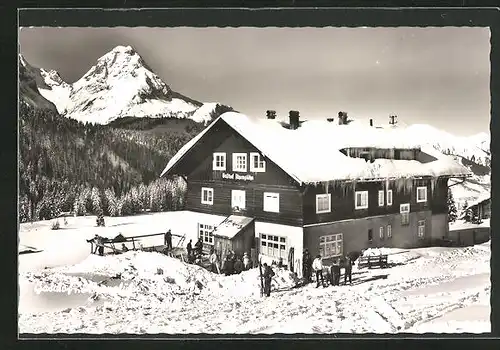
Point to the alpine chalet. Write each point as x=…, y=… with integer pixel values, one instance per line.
x=274, y=186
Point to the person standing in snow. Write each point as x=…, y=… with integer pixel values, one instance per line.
x=124, y=248
x=290, y=258
x=306, y=266
x=335, y=272
x=347, y=269
x=280, y=263
x=198, y=247
x=246, y=261
x=213, y=261
x=238, y=265
x=167, y=239
x=93, y=241
x=228, y=266
x=189, y=248
x=318, y=268
x=268, y=276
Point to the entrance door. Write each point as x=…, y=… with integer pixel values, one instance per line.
x=238, y=199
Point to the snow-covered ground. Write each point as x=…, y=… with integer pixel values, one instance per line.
x=427, y=290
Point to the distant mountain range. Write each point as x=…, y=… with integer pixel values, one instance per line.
x=119, y=85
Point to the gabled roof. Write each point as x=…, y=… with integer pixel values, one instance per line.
x=311, y=153
x=231, y=226
x=480, y=200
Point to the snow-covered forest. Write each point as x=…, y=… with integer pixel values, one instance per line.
x=68, y=166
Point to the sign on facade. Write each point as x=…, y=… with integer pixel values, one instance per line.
x=233, y=176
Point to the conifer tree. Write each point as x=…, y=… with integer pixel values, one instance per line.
x=452, y=208
x=467, y=212
x=96, y=201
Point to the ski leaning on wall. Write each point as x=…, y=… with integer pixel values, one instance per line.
x=261, y=279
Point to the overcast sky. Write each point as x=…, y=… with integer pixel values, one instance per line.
x=438, y=76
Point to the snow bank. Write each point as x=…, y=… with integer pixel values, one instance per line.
x=248, y=283
x=462, y=224
x=394, y=255
x=139, y=277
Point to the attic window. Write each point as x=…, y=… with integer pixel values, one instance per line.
x=389, y=197
x=240, y=162
x=256, y=163
x=219, y=161
x=323, y=203
x=421, y=194
x=381, y=198
x=361, y=200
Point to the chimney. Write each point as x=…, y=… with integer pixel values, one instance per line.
x=342, y=118
x=330, y=119
x=371, y=122
x=271, y=114
x=294, y=119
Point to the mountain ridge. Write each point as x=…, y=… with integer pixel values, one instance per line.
x=120, y=84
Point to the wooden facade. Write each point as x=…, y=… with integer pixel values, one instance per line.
x=482, y=209
x=274, y=180
x=298, y=203
x=239, y=244
x=343, y=195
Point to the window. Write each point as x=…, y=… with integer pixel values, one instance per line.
x=380, y=198
x=205, y=233
x=272, y=202
x=361, y=200
x=256, y=164
x=273, y=246
x=238, y=199
x=389, y=197
x=330, y=246
x=323, y=203
x=404, y=209
x=381, y=232
x=370, y=235
x=240, y=162
x=207, y=195
x=421, y=228
x=219, y=161
x=421, y=194
x=389, y=231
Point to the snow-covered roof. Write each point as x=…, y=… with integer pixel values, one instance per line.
x=311, y=153
x=482, y=198
x=230, y=227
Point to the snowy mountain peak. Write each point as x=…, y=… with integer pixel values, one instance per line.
x=120, y=61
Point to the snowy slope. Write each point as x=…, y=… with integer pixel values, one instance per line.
x=202, y=114
x=475, y=147
x=55, y=89
x=120, y=84
x=433, y=289
x=472, y=151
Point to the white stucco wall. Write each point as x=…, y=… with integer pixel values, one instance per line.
x=189, y=221
x=294, y=238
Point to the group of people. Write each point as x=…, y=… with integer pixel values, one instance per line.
x=316, y=265
x=233, y=263
x=194, y=254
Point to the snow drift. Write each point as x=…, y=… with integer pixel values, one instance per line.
x=144, y=275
